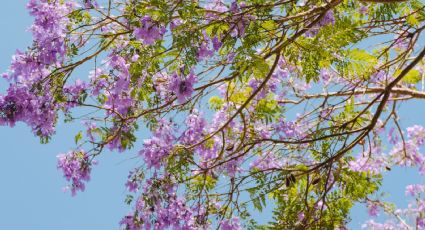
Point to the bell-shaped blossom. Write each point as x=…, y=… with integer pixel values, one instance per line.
x=182, y=86
x=150, y=31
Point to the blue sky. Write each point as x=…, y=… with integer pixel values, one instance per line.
x=30, y=192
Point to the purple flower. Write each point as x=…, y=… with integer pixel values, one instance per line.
x=130, y=223
x=379, y=77
x=97, y=83
x=195, y=126
x=267, y=162
x=214, y=8
x=232, y=224
x=407, y=154
x=216, y=43
x=421, y=222
x=175, y=23
x=10, y=110
x=38, y=111
x=254, y=84
x=134, y=179
x=135, y=57
x=49, y=29
x=204, y=51
x=91, y=4
x=301, y=216
x=289, y=129
x=325, y=76
x=327, y=19
x=417, y=134
x=233, y=166
x=262, y=130
x=401, y=42
x=239, y=23
x=320, y=205
x=150, y=31
x=159, y=146
x=392, y=138
x=73, y=92
x=365, y=162
x=372, y=209
x=414, y=189
x=76, y=168
x=183, y=86
x=170, y=212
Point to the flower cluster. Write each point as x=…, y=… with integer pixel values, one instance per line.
x=205, y=49
x=159, y=146
x=196, y=124
x=50, y=29
x=327, y=19
x=232, y=224
x=405, y=152
x=150, y=31
x=76, y=168
x=415, y=211
x=183, y=86
x=38, y=111
x=267, y=162
x=24, y=101
x=241, y=20
x=118, y=92
x=159, y=207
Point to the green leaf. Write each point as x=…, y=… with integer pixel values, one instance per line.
x=260, y=67
x=361, y=63
x=129, y=199
x=412, y=77
x=257, y=204
x=269, y=25
x=412, y=20
x=349, y=107
x=216, y=102
x=78, y=137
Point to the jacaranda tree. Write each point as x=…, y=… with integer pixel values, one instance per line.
x=289, y=104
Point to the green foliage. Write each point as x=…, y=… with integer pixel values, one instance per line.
x=306, y=197
x=358, y=63
x=78, y=137
x=412, y=77
x=216, y=102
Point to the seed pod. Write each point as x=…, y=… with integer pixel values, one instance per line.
x=290, y=180
x=292, y=177
x=315, y=181
x=230, y=147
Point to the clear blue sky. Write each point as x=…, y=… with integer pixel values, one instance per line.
x=30, y=191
